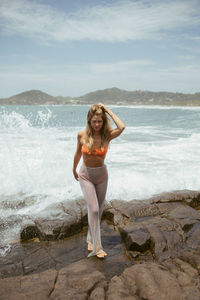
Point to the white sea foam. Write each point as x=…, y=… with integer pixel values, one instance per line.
x=4, y=250
x=150, y=167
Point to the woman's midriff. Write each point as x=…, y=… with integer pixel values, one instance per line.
x=93, y=161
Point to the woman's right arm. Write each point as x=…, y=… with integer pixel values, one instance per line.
x=77, y=155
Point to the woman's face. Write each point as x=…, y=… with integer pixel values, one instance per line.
x=96, y=123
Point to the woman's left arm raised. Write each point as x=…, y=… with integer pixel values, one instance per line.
x=120, y=125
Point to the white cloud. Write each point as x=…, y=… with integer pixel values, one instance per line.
x=121, y=21
x=76, y=80
x=120, y=66
x=186, y=57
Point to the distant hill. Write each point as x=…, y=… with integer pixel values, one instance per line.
x=30, y=98
x=112, y=96
x=123, y=97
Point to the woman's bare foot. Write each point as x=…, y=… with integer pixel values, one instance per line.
x=101, y=254
x=90, y=246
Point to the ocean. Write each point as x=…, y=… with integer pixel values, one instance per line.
x=158, y=152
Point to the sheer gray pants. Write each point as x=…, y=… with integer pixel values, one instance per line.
x=94, y=183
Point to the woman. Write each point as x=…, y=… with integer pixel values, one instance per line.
x=92, y=144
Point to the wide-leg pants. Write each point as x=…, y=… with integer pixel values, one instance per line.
x=94, y=183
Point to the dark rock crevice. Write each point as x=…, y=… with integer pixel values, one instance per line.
x=54, y=285
x=92, y=293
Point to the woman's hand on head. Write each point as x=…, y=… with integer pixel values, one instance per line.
x=102, y=106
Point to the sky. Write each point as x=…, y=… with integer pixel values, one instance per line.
x=70, y=48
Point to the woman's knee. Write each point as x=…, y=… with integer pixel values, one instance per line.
x=94, y=211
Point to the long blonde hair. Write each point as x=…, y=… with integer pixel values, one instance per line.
x=88, y=137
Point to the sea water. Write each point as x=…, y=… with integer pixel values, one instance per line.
x=158, y=152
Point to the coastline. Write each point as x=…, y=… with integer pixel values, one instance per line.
x=109, y=96
x=153, y=252
x=108, y=104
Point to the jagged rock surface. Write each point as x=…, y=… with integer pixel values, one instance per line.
x=153, y=252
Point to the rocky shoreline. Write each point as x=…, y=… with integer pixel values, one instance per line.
x=153, y=251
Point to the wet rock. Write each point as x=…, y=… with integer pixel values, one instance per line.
x=192, y=257
x=77, y=281
x=30, y=231
x=145, y=281
x=187, y=277
x=166, y=207
x=11, y=228
x=57, y=221
x=56, y=224
x=164, y=234
x=111, y=212
x=34, y=287
x=136, y=237
x=191, y=198
x=180, y=213
x=193, y=236
x=98, y=293
x=37, y=256
x=118, y=290
x=185, y=216
x=11, y=269
x=76, y=208
x=183, y=212
x=134, y=209
x=37, y=260
x=159, y=258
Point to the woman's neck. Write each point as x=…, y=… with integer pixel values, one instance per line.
x=96, y=134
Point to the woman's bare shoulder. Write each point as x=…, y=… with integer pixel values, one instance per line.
x=81, y=133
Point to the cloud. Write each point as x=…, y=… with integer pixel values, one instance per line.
x=117, y=22
x=48, y=72
x=186, y=57
x=120, y=66
x=79, y=79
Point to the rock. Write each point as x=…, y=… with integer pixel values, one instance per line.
x=193, y=240
x=145, y=281
x=158, y=260
x=77, y=281
x=187, y=277
x=57, y=224
x=76, y=208
x=118, y=290
x=134, y=209
x=30, y=231
x=182, y=214
x=57, y=221
x=37, y=260
x=15, y=227
x=189, y=197
x=136, y=237
x=37, y=256
x=185, y=216
x=98, y=293
x=165, y=235
x=192, y=257
x=35, y=287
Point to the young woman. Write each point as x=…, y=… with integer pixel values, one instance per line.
x=92, y=144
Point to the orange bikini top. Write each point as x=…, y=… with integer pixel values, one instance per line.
x=96, y=151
